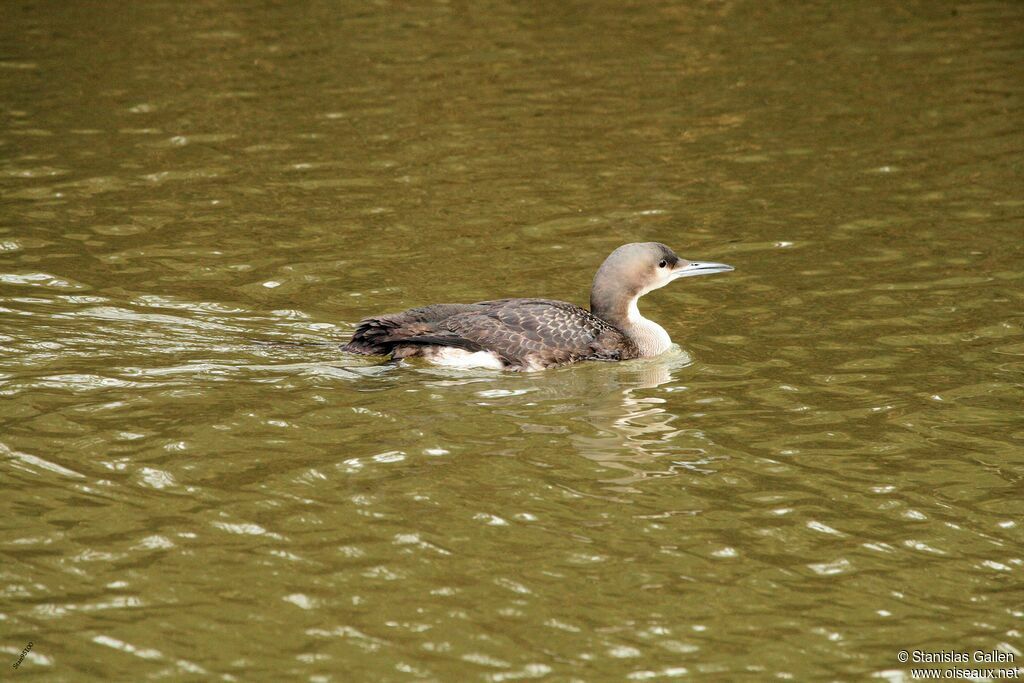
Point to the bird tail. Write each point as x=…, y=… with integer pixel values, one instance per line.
x=411, y=330
x=380, y=336
x=372, y=337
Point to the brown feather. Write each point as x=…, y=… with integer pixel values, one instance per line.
x=524, y=333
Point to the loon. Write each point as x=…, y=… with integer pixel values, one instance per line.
x=534, y=334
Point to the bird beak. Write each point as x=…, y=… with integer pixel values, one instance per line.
x=691, y=268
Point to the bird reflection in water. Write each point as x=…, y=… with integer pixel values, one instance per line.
x=603, y=410
x=637, y=434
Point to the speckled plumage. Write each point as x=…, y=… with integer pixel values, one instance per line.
x=533, y=334
x=526, y=334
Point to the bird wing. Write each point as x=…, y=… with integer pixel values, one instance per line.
x=539, y=332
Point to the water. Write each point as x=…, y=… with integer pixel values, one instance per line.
x=199, y=201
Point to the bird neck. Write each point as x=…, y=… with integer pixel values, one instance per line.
x=650, y=338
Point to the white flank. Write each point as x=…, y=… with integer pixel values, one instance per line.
x=460, y=358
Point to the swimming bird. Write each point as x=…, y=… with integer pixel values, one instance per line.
x=533, y=334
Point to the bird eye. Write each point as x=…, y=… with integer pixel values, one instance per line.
x=663, y=263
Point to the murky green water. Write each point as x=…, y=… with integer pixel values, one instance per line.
x=828, y=471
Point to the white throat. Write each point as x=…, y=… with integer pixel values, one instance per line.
x=650, y=337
